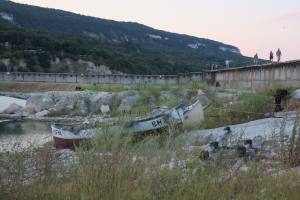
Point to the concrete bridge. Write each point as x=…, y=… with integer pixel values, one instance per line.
x=250, y=77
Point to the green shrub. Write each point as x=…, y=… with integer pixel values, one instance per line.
x=249, y=106
x=252, y=106
x=197, y=86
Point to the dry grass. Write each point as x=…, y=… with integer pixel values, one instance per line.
x=134, y=171
x=37, y=87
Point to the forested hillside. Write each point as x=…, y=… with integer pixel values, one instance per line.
x=49, y=40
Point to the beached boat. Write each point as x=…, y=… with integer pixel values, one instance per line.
x=70, y=135
x=193, y=115
x=180, y=117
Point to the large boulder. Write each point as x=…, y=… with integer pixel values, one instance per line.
x=31, y=109
x=81, y=106
x=12, y=109
x=43, y=100
x=128, y=102
x=42, y=113
x=296, y=94
x=64, y=103
x=71, y=102
x=101, y=98
x=98, y=97
x=5, y=102
x=122, y=95
x=104, y=109
x=109, y=99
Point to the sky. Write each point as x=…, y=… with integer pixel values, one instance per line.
x=254, y=26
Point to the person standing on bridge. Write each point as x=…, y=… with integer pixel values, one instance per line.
x=278, y=54
x=227, y=63
x=271, y=56
x=255, y=59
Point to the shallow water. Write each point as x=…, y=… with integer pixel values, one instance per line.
x=15, y=136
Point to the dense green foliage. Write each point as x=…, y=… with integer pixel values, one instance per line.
x=39, y=35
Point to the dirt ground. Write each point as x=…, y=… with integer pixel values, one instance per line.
x=38, y=87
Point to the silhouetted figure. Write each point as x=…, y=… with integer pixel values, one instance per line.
x=255, y=59
x=278, y=54
x=227, y=63
x=271, y=56
x=279, y=96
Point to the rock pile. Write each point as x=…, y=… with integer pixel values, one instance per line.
x=74, y=103
x=82, y=103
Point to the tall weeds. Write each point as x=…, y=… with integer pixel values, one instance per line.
x=115, y=167
x=290, y=145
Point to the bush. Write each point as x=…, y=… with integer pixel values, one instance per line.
x=197, y=86
x=252, y=106
x=289, y=148
x=249, y=106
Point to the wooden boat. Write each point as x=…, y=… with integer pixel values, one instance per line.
x=70, y=135
x=178, y=117
x=193, y=115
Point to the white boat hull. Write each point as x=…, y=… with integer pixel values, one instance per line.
x=193, y=117
x=189, y=117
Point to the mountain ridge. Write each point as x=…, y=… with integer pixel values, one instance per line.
x=170, y=48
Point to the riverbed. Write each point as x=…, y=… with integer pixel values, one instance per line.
x=18, y=135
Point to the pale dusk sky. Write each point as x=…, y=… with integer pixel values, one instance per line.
x=251, y=25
